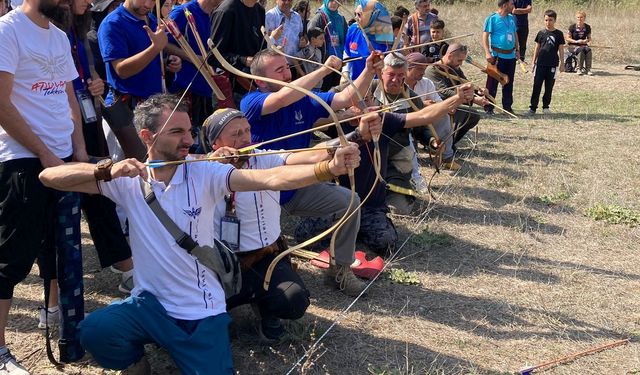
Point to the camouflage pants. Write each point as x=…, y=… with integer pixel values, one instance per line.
x=377, y=231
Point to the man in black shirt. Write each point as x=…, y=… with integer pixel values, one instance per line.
x=521, y=9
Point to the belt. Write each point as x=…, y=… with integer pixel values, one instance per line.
x=500, y=50
x=249, y=258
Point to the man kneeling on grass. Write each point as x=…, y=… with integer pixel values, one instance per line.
x=177, y=302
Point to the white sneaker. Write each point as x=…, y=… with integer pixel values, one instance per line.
x=589, y=73
x=546, y=111
x=53, y=318
x=10, y=366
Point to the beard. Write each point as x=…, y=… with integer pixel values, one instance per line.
x=60, y=15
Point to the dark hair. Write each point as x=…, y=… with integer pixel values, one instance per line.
x=396, y=22
x=314, y=32
x=502, y=2
x=257, y=65
x=301, y=6
x=551, y=13
x=401, y=11
x=437, y=24
x=147, y=113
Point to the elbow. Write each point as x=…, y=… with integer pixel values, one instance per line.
x=46, y=177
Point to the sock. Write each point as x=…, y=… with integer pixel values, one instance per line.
x=127, y=274
x=53, y=310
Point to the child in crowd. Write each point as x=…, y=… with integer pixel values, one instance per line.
x=433, y=52
x=547, y=55
x=313, y=52
x=579, y=37
x=396, y=24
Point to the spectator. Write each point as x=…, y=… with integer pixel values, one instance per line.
x=328, y=19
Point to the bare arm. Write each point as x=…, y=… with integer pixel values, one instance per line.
x=347, y=97
x=287, y=96
x=435, y=111
x=485, y=45
x=525, y=10
x=173, y=49
x=15, y=125
x=536, y=51
x=77, y=139
x=80, y=176
x=292, y=176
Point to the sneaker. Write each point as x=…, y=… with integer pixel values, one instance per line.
x=546, y=111
x=589, y=73
x=530, y=112
x=9, y=365
x=451, y=166
x=580, y=73
x=142, y=367
x=52, y=318
x=270, y=330
x=127, y=282
x=343, y=278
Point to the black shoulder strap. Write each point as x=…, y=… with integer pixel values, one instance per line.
x=182, y=239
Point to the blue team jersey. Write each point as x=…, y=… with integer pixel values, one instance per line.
x=503, y=34
x=203, y=26
x=355, y=45
x=298, y=116
x=121, y=36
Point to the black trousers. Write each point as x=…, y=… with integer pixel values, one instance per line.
x=287, y=297
x=523, y=34
x=546, y=75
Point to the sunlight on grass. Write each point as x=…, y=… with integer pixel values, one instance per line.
x=614, y=214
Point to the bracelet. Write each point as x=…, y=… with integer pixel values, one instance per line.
x=322, y=172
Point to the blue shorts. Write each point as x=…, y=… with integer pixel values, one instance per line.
x=115, y=336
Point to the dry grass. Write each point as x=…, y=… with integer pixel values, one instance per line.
x=511, y=271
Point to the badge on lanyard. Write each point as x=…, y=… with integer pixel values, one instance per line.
x=86, y=106
x=230, y=224
x=510, y=37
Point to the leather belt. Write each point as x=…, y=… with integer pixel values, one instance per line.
x=500, y=50
x=249, y=258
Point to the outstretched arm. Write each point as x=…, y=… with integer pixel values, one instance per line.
x=433, y=112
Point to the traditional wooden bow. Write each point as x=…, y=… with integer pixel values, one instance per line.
x=343, y=141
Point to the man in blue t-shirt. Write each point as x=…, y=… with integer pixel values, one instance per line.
x=501, y=48
x=130, y=44
x=274, y=111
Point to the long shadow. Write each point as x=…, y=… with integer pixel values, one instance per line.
x=498, y=199
x=360, y=351
x=590, y=117
x=605, y=73
x=457, y=214
x=485, y=153
x=483, y=171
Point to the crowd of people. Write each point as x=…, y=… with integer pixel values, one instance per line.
x=117, y=109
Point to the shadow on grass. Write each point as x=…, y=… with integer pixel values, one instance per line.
x=343, y=351
x=498, y=199
x=589, y=117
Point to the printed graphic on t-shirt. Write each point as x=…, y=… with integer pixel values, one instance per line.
x=49, y=65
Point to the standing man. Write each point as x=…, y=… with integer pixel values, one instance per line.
x=419, y=23
x=237, y=25
x=41, y=127
x=521, y=9
x=291, y=23
x=178, y=301
x=131, y=42
x=501, y=48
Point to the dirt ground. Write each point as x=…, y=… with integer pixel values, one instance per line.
x=510, y=271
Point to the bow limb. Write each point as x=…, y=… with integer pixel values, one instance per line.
x=343, y=142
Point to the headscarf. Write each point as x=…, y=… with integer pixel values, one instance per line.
x=376, y=21
x=336, y=19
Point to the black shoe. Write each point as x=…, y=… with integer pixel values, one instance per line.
x=271, y=330
x=490, y=113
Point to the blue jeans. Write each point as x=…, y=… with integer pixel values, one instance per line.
x=115, y=336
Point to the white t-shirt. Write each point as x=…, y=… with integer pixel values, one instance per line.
x=184, y=287
x=424, y=86
x=40, y=60
x=258, y=211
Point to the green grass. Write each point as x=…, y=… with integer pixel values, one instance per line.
x=400, y=276
x=613, y=214
x=553, y=199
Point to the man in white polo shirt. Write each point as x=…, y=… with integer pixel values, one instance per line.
x=177, y=302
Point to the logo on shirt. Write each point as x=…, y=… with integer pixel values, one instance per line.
x=353, y=46
x=298, y=116
x=551, y=40
x=50, y=66
x=193, y=212
x=49, y=88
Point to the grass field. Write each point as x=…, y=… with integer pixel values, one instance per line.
x=507, y=268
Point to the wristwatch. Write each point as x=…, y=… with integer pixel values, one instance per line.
x=102, y=172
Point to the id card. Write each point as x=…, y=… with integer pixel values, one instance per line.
x=335, y=40
x=509, y=37
x=230, y=232
x=85, y=100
